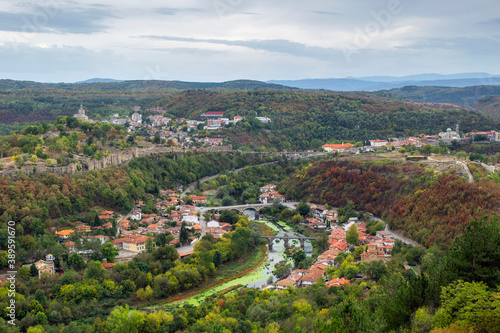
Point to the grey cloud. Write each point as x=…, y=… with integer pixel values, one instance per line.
x=321, y=12
x=478, y=46
x=175, y=11
x=56, y=19
x=276, y=45
x=495, y=21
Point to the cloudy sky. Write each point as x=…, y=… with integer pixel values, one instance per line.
x=219, y=40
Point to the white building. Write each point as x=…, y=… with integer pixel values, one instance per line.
x=136, y=214
x=136, y=117
x=379, y=143
x=264, y=120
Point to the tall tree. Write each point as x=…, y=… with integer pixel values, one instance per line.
x=352, y=236
x=109, y=251
x=183, y=237
x=474, y=256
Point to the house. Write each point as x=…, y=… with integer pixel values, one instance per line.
x=45, y=266
x=268, y=188
x=264, y=120
x=285, y=283
x=135, y=243
x=338, y=244
x=337, y=282
x=107, y=265
x=328, y=257
x=264, y=198
x=70, y=246
x=337, y=147
x=213, y=224
x=379, y=143
x=199, y=199
x=310, y=278
x=136, y=214
x=106, y=215
x=107, y=225
x=64, y=234
x=82, y=228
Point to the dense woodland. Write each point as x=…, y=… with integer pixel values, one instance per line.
x=429, y=207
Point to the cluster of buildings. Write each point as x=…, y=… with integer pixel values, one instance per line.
x=379, y=248
x=160, y=125
x=447, y=137
x=376, y=145
x=269, y=194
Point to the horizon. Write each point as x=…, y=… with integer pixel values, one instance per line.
x=360, y=78
x=224, y=40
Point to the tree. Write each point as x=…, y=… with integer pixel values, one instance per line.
x=299, y=257
x=229, y=216
x=375, y=269
x=228, y=201
x=95, y=270
x=109, y=251
x=297, y=218
x=76, y=262
x=124, y=320
x=217, y=258
x=40, y=297
x=184, y=236
x=352, y=235
x=471, y=303
x=322, y=243
x=474, y=256
x=303, y=209
x=402, y=151
x=33, y=270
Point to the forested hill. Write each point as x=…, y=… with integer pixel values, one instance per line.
x=141, y=85
x=305, y=120
x=467, y=96
x=430, y=208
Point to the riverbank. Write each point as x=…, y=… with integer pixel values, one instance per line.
x=225, y=275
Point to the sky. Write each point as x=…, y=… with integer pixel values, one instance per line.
x=221, y=40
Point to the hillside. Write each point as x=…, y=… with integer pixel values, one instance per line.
x=98, y=84
x=489, y=105
x=303, y=120
x=431, y=208
x=384, y=82
x=467, y=96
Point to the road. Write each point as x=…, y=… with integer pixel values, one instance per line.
x=466, y=168
x=205, y=179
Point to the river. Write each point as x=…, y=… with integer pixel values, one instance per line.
x=260, y=275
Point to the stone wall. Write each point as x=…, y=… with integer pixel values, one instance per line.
x=118, y=159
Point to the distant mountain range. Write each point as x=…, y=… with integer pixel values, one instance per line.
x=111, y=84
x=375, y=83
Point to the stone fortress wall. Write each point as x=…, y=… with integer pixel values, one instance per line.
x=118, y=159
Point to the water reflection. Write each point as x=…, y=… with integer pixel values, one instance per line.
x=278, y=254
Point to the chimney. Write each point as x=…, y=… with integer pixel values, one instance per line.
x=104, y=261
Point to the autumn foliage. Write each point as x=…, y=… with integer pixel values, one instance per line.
x=430, y=208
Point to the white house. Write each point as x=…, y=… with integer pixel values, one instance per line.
x=213, y=224
x=136, y=214
x=379, y=143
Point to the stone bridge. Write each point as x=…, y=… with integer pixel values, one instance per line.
x=302, y=239
x=242, y=208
